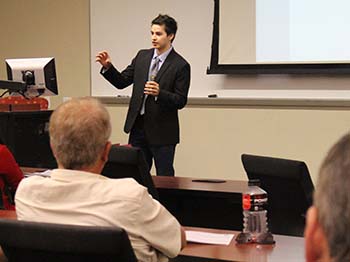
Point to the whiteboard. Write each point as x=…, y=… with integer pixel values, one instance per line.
x=123, y=27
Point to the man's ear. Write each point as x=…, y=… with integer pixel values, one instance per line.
x=171, y=37
x=106, y=150
x=54, y=155
x=52, y=150
x=316, y=245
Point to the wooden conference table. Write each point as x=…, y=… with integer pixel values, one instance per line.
x=286, y=248
x=203, y=203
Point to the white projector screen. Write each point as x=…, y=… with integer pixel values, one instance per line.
x=283, y=34
x=123, y=27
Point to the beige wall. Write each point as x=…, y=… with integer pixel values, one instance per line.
x=48, y=28
x=212, y=137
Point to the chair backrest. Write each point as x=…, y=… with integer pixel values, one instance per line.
x=124, y=161
x=289, y=187
x=26, y=135
x=32, y=241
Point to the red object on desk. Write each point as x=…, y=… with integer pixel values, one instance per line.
x=19, y=103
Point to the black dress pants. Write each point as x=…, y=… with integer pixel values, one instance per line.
x=163, y=155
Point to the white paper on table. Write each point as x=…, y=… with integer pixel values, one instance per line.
x=208, y=238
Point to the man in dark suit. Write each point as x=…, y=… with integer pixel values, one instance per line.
x=161, y=80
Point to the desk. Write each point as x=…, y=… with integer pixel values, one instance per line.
x=218, y=205
x=8, y=214
x=286, y=248
x=209, y=205
x=212, y=205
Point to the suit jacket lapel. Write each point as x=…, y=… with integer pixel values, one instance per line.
x=146, y=64
x=166, y=64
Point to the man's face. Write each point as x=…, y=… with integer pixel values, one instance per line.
x=160, y=40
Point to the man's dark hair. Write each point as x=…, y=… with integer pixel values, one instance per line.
x=169, y=23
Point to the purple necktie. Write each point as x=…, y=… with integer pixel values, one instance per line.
x=152, y=76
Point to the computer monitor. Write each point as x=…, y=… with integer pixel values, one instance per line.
x=289, y=188
x=31, y=77
x=125, y=161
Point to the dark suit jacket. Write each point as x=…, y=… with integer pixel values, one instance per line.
x=161, y=121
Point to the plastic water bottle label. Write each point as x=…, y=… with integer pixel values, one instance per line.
x=254, y=202
x=246, y=202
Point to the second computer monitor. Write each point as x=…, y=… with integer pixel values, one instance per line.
x=38, y=74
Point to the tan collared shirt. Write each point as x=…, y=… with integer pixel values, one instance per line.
x=82, y=198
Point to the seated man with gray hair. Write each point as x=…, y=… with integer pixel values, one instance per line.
x=327, y=233
x=77, y=194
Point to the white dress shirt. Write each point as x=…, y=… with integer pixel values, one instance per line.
x=82, y=198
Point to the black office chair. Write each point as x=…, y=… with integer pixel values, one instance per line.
x=124, y=161
x=32, y=241
x=289, y=188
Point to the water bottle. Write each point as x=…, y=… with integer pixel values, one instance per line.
x=254, y=203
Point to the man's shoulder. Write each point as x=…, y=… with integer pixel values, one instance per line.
x=34, y=179
x=127, y=186
x=179, y=58
x=145, y=51
x=28, y=183
x=125, y=181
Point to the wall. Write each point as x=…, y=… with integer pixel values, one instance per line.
x=212, y=137
x=48, y=28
